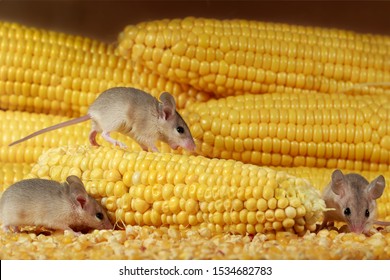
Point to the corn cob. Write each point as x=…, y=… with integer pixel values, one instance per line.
x=142, y=188
x=232, y=57
x=313, y=130
x=48, y=72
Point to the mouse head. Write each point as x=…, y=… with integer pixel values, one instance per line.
x=92, y=215
x=173, y=129
x=356, y=198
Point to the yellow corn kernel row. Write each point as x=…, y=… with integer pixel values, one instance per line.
x=36, y=91
x=296, y=33
x=320, y=178
x=11, y=173
x=15, y=125
x=72, y=96
x=163, y=189
x=11, y=30
x=232, y=57
x=41, y=68
x=40, y=74
x=165, y=243
x=313, y=130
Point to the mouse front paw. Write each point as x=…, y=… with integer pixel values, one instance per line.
x=69, y=231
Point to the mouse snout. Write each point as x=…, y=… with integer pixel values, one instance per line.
x=357, y=228
x=189, y=144
x=108, y=225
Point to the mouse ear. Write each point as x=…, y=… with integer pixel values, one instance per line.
x=338, y=182
x=76, y=187
x=73, y=179
x=82, y=200
x=376, y=187
x=168, y=105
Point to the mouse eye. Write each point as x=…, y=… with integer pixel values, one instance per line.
x=367, y=213
x=180, y=129
x=99, y=215
x=347, y=212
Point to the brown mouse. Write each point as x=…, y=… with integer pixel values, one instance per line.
x=135, y=113
x=353, y=199
x=47, y=203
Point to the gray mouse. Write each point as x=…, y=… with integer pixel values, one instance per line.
x=47, y=203
x=135, y=113
x=353, y=199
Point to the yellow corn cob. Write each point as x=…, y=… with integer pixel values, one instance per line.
x=48, y=72
x=314, y=130
x=12, y=172
x=168, y=243
x=142, y=188
x=232, y=57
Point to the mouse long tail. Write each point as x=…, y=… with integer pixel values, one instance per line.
x=54, y=127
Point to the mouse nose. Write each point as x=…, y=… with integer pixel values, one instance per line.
x=108, y=225
x=190, y=145
x=187, y=144
x=357, y=228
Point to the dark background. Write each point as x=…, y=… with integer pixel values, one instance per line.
x=105, y=19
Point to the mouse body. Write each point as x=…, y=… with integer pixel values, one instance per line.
x=353, y=200
x=53, y=205
x=135, y=113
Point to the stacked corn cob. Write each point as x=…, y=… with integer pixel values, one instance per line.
x=315, y=113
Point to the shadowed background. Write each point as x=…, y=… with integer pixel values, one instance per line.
x=103, y=20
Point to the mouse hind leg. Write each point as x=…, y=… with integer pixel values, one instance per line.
x=92, y=138
x=95, y=129
x=106, y=136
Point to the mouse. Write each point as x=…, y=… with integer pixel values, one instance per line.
x=134, y=113
x=53, y=205
x=350, y=198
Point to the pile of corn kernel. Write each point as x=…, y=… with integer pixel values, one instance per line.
x=162, y=243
